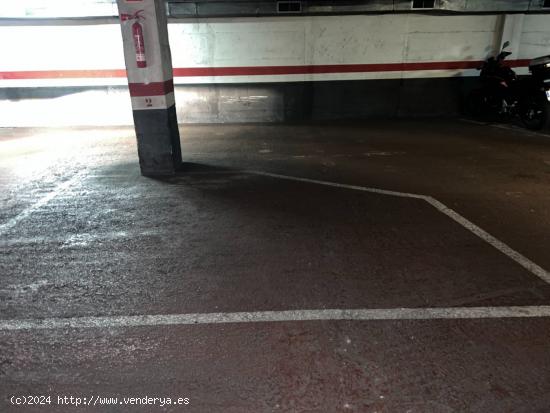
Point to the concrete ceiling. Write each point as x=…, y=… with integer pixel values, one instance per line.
x=215, y=8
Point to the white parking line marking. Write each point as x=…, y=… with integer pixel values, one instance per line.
x=40, y=203
x=79, y=239
x=337, y=185
x=507, y=127
x=470, y=226
x=520, y=259
x=495, y=242
x=452, y=313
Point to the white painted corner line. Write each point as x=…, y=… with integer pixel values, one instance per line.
x=520, y=259
x=452, y=313
x=59, y=189
x=495, y=242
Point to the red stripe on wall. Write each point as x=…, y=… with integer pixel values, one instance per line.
x=320, y=69
x=314, y=69
x=260, y=70
x=151, y=89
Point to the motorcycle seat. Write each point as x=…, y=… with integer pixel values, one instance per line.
x=539, y=61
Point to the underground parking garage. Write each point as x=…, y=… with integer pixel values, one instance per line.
x=275, y=206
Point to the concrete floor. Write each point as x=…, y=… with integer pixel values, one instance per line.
x=82, y=234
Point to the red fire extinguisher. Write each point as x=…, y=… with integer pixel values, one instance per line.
x=137, y=35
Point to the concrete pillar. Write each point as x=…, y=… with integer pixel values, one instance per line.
x=150, y=80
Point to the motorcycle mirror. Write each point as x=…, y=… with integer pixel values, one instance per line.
x=505, y=45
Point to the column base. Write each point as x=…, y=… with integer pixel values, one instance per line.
x=158, y=141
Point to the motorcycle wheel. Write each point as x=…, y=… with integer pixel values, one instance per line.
x=483, y=107
x=535, y=114
x=476, y=105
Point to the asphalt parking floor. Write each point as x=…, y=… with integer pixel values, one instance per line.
x=276, y=220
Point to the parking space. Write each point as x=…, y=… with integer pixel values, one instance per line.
x=447, y=220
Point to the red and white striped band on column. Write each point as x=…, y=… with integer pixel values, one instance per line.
x=154, y=95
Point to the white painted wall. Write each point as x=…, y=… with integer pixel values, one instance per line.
x=331, y=40
x=275, y=41
x=535, y=37
x=61, y=47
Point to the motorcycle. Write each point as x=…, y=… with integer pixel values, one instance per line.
x=503, y=95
